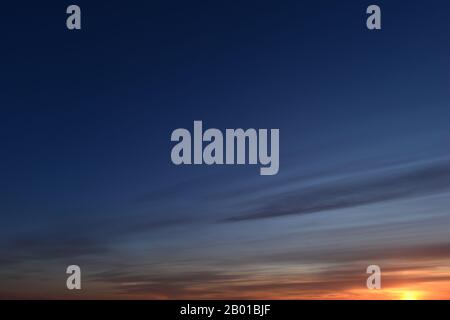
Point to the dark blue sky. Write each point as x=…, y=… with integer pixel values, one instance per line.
x=86, y=118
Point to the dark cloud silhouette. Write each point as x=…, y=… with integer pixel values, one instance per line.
x=335, y=275
x=6, y=261
x=161, y=283
x=387, y=185
x=99, y=239
x=119, y=276
x=360, y=254
x=62, y=246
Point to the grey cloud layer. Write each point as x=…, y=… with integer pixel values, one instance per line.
x=394, y=184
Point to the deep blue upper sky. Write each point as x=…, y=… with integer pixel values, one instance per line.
x=86, y=116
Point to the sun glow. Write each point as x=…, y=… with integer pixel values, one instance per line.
x=410, y=295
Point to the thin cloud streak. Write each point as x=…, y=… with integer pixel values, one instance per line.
x=393, y=184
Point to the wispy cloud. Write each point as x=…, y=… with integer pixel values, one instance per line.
x=395, y=183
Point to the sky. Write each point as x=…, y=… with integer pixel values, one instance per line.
x=86, y=176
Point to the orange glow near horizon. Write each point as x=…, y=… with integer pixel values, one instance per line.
x=401, y=283
x=410, y=295
x=428, y=291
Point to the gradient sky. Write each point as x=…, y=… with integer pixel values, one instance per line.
x=86, y=176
